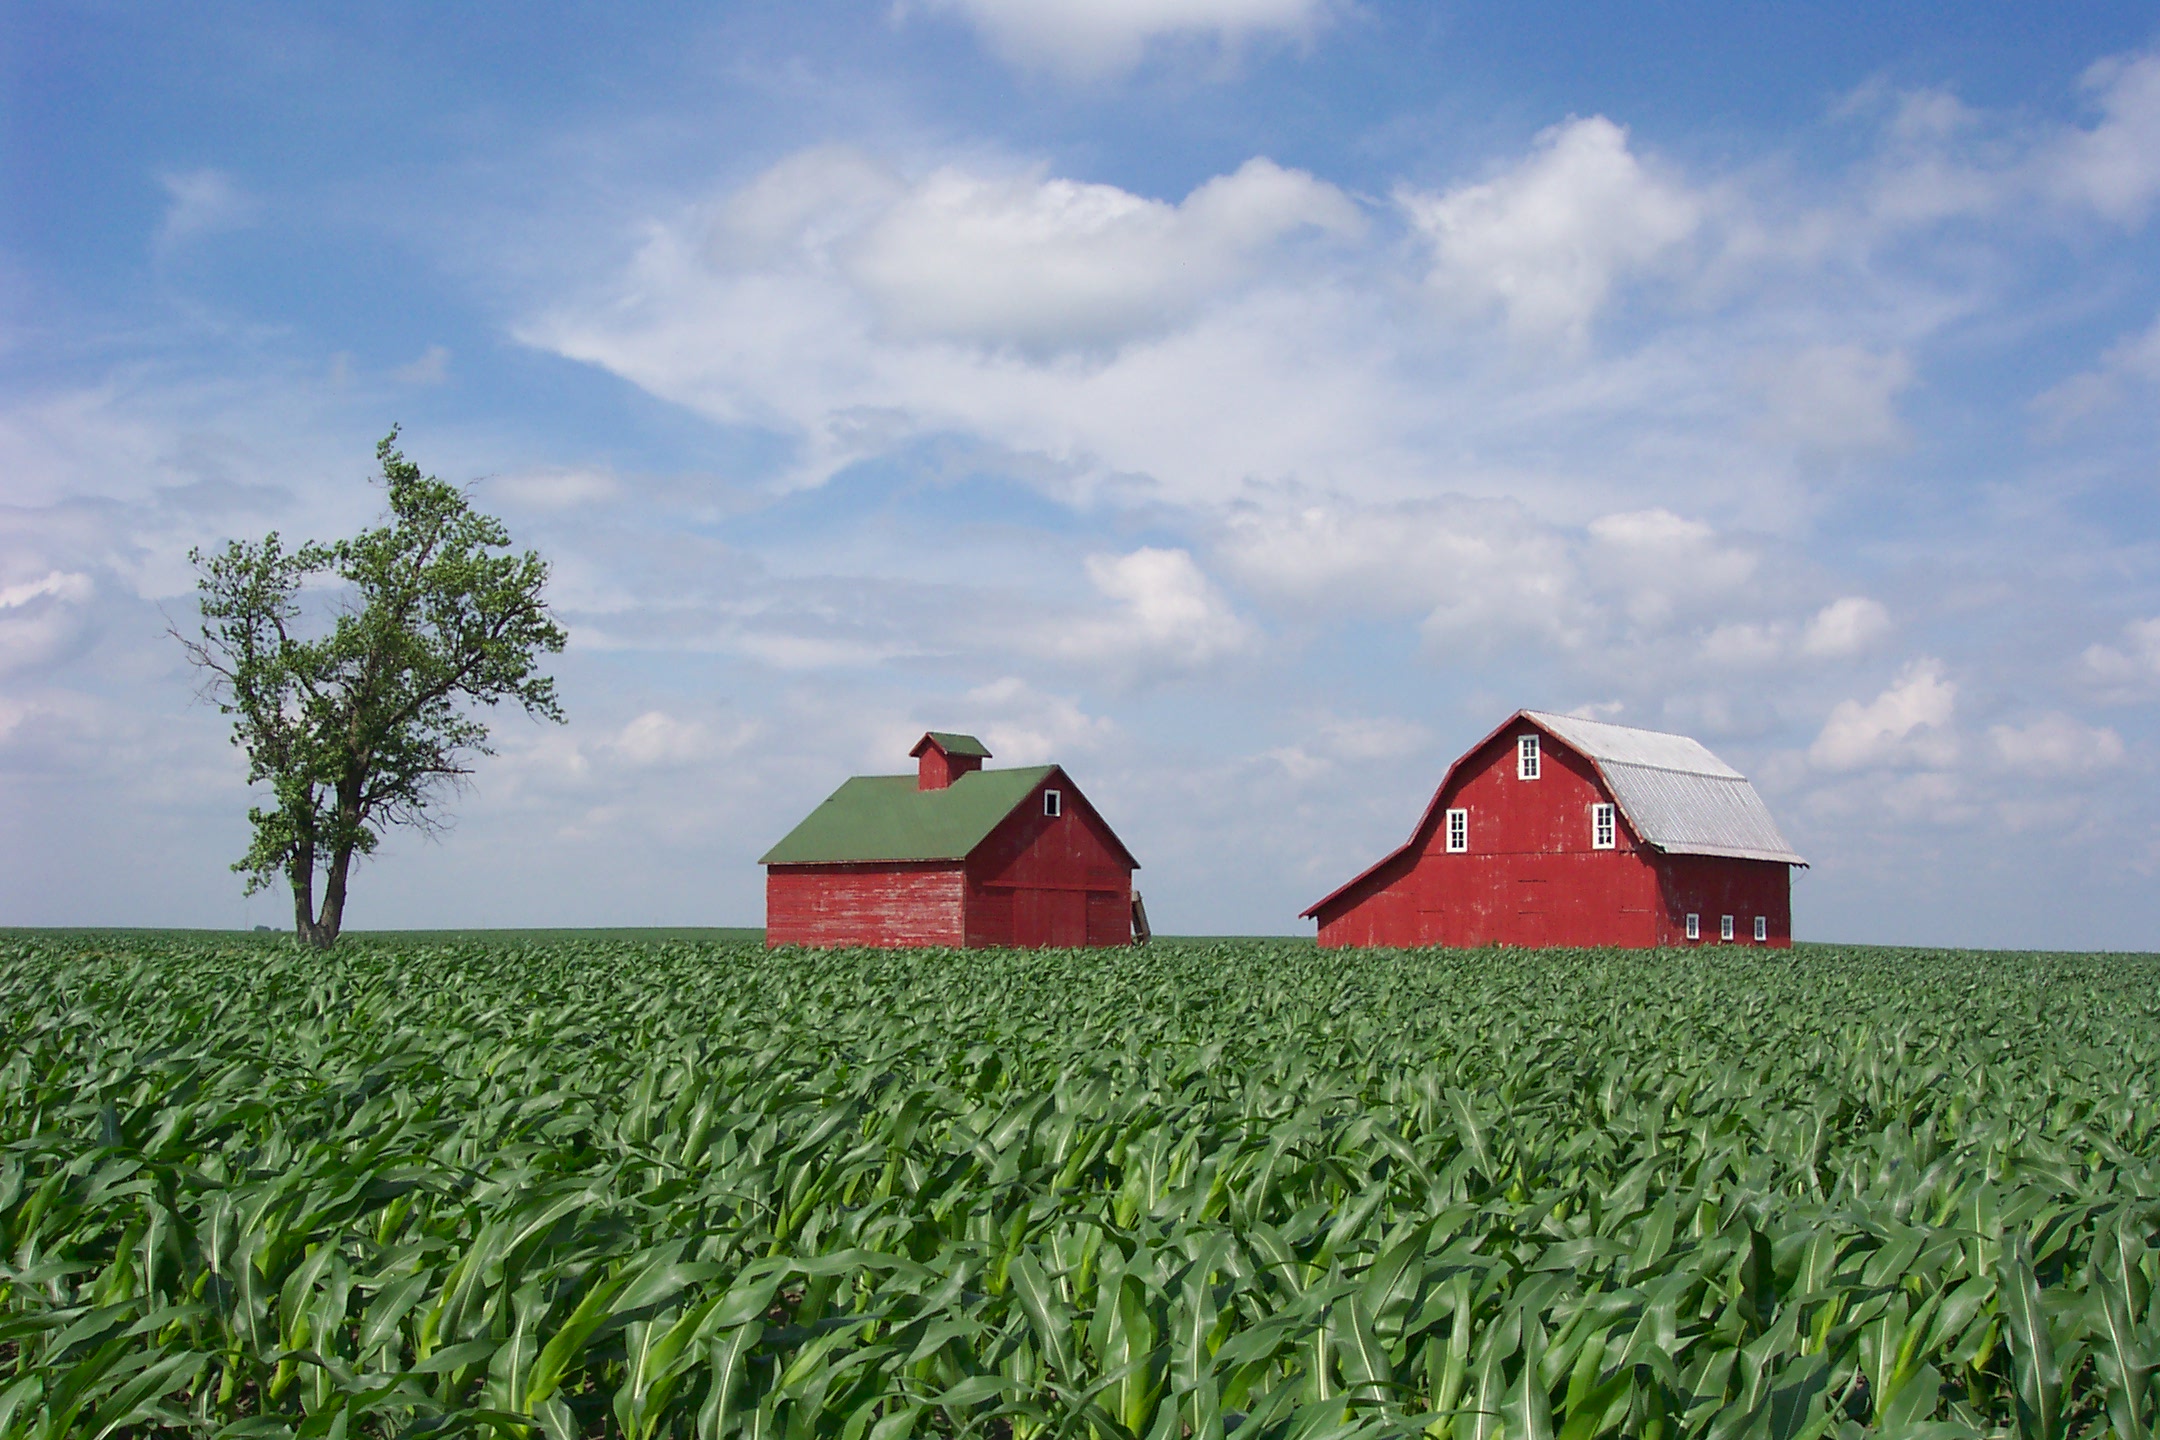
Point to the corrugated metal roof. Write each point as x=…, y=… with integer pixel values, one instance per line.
x=885, y=817
x=1675, y=794
x=1626, y=745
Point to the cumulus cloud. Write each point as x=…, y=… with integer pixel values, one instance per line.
x=1165, y=613
x=1909, y=722
x=1550, y=239
x=1086, y=39
x=1845, y=626
x=2054, y=744
x=2134, y=662
x=1023, y=725
x=1047, y=264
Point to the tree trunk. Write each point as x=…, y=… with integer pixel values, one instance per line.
x=333, y=904
x=302, y=871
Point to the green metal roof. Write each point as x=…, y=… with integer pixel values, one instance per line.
x=885, y=817
x=954, y=743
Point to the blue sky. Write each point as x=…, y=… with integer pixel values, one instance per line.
x=1246, y=403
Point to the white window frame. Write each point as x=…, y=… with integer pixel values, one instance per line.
x=1526, y=757
x=1762, y=928
x=1694, y=926
x=1604, y=827
x=1725, y=928
x=1053, y=803
x=1458, y=832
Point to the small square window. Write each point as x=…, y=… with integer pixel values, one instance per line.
x=1724, y=927
x=1694, y=927
x=1762, y=927
x=1458, y=831
x=1602, y=827
x=1526, y=757
x=1053, y=803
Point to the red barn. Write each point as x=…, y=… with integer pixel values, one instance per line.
x=1560, y=831
x=952, y=855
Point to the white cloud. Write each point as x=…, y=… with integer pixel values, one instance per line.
x=2055, y=744
x=657, y=738
x=2135, y=662
x=560, y=489
x=1468, y=565
x=1167, y=613
x=1661, y=564
x=1549, y=240
x=2115, y=166
x=1091, y=38
x=201, y=202
x=1049, y=264
x=431, y=368
x=39, y=618
x=58, y=585
x=1836, y=399
x=1026, y=726
x=1907, y=722
x=2132, y=362
x=1845, y=626
x=1744, y=644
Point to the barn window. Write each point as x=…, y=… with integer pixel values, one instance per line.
x=1526, y=757
x=1724, y=927
x=1601, y=827
x=1053, y=803
x=1762, y=927
x=1694, y=927
x=1458, y=831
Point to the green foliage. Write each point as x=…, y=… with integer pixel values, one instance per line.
x=357, y=729
x=573, y=1189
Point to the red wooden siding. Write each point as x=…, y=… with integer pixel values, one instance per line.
x=889, y=905
x=1058, y=880
x=1531, y=876
x=1714, y=885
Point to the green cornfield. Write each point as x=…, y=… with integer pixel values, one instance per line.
x=603, y=1187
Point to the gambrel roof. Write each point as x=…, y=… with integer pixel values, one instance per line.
x=1676, y=795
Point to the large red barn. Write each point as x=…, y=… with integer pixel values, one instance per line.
x=1554, y=830
x=952, y=855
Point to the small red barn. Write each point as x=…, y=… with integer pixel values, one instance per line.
x=1555, y=830
x=952, y=855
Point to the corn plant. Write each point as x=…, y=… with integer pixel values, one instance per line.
x=690, y=1189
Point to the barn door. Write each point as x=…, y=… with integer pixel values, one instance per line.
x=1049, y=917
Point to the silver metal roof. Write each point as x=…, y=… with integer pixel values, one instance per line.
x=1676, y=795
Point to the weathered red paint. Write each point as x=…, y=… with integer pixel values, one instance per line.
x=1531, y=876
x=1035, y=880
x=922, y=903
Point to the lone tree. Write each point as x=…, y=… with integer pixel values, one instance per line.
x=363, y=727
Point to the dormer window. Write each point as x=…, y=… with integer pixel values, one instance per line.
x=1526, y=757
x=1603, y=827
x=1053, y=803
x=1458, y=831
